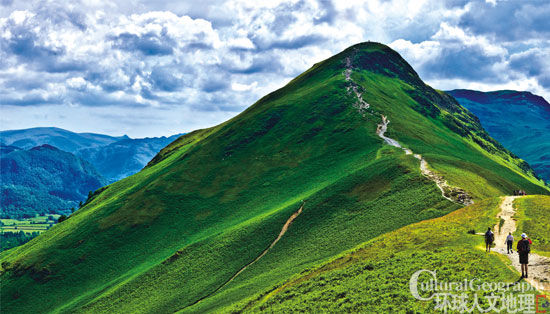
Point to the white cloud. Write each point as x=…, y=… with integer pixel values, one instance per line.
x=421, y=53
x=19, y=17
x=241, y=42
x=76, y=82
x=454, y=35
x=216, y=58
x=243, y=87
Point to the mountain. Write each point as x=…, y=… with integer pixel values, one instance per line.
x=125, y=157
x=44, y=179
x=108, y=158
x=518, y=120
x=352, y=149
x=114, y=157
x=65, y=140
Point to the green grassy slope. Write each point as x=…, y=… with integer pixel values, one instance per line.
x=533, y=215
x=375, y=276
x=214, y=199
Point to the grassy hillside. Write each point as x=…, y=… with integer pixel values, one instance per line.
x=375, y=275
x=214, y=199
x=533, y=217
x=519, y=120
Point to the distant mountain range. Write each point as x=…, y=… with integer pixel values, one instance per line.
x=44, y=179
x=518, y=120
x=60, y=138
x=59, y=155
x=113, y=157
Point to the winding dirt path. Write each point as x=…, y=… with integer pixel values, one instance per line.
x=539, y=266
x=451, y=193
x=361, y=104
x=283, y=231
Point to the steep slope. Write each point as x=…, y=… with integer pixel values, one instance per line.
x=210, y=203
x=518, y=120
x=44, y=179
x=533, y=217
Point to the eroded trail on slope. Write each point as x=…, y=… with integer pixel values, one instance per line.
x=539, y=266
x=452, y=193
x=281, y=234
x=361, y=105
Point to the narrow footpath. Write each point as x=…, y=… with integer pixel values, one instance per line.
x=539, y=266
x=451, y=193
x=281, y=234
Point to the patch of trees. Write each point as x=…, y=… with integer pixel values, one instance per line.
x=12, y=239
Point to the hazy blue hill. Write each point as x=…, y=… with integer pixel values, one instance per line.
x=518, y=120
x=44, y=179
x=65, y=140
x=123, y=158
x=5, y=149
x=106, y=157
x=114, y=157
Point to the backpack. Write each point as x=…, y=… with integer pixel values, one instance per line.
x=523, y=246
x=489, y=236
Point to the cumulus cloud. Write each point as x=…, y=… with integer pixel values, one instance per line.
x=533, y=63
x=215, y=58
x=508, y=20
x=453, y=53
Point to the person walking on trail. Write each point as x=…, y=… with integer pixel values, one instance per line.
x=510, y=243
x=489, y=238
x=524, y=248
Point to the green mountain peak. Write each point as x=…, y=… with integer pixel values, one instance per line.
x=365, y=143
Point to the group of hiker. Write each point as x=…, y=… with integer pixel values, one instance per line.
x=523, y=248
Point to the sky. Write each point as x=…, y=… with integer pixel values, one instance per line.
x=154, y=68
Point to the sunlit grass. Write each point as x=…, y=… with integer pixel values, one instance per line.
x=533, y=218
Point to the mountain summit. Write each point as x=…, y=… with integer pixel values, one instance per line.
x=355, y=147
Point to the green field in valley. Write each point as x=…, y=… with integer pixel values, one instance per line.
x=38, y=223
x=15, y=232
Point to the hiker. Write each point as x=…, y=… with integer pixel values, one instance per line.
x=509, y=243
x=524, y=248
x=489, y=238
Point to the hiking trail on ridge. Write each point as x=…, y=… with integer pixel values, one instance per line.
x=451, y=193
x=539, y=266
